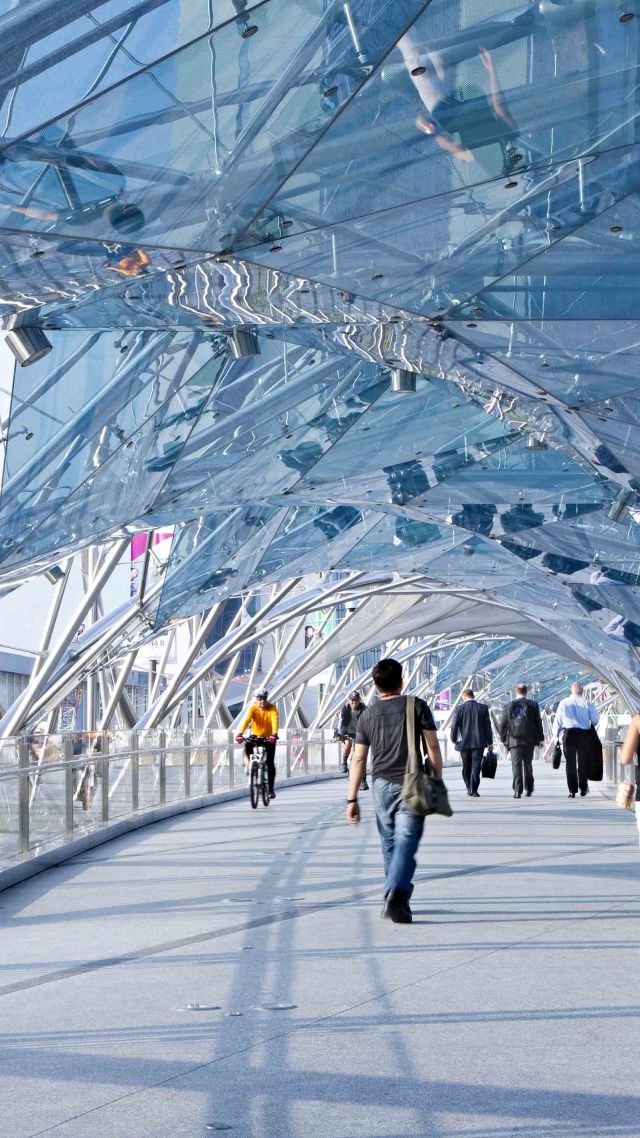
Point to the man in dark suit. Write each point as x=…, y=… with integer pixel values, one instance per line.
x=521, y=732
x=471, y=733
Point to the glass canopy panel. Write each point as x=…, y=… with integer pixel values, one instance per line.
x=399, y=544
x=225, y=119
x=76, y=428
x=592, y=273
x=435, y=421
x=56, y=55
x=214, y=558
x=280, y=429
x=576, y=361
x=471, y=94
x=458, y=664
x=77, y=282
x=473, y=237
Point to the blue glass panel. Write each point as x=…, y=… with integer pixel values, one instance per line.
x=471, y=94
x=224, y=120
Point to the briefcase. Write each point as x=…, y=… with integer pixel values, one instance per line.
x=489, y=765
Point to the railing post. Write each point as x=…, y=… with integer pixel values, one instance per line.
x=69, y=772
x=163, y=766
x=288, y=747
x=322, y=754
x=135, y=771
x=209, y=761
x=104, y=766
x=306, y=752
x=24, y=791
x=230, y=753
x=187, y=764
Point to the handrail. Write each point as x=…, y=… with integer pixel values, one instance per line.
x=49, y=797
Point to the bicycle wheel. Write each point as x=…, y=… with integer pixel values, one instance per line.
x=265, y=787
x=254, y=788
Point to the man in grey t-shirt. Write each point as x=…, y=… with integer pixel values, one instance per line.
x=382, y=727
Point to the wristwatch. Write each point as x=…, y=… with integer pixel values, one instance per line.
x=351, y=800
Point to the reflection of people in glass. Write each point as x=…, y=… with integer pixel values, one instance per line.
x=477, y=121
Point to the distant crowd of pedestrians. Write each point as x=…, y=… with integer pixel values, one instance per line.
x=383, y=728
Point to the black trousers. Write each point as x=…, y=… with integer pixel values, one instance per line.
x=270, y=751
x=577, y=752
x=471, y=763
x=521, y=765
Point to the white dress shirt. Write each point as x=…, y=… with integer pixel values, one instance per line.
x=574, y=711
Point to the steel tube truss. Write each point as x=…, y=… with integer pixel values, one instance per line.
x=419, y=619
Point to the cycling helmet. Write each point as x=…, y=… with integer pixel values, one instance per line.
x=262, y=694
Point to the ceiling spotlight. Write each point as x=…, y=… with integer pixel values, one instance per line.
x=244, y=344
x=54, y=574
x=620, y=506
x=535, y=443
x=28, y=344
x=402, y=381
x=468, y=549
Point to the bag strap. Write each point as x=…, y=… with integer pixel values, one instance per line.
x=411, y=732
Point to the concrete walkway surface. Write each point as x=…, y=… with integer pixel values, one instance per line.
x=511, y=1007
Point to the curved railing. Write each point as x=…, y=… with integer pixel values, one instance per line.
x=54, y=789
x=57, y=789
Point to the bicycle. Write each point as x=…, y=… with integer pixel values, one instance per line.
x=258, y=776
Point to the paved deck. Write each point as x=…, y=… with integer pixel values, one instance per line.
x=510, y=1006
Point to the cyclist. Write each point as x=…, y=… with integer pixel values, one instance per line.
x=263, y=717
x=349, y=717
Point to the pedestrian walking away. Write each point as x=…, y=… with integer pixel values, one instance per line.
x=471, y=733
x=521, y=732
x=382, y=729
x=629, y=754
x=349, y=716
x=574, y=718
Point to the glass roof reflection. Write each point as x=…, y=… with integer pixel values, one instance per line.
x=445, y=190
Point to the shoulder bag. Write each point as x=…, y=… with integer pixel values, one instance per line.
x=423, y=792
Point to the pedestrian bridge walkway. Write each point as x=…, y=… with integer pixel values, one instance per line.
x=511, y=1007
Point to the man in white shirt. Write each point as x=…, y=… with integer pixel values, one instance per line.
x=576, y=716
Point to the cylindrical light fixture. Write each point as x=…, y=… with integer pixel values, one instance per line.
x=244, y=344
x=54, y=574
x=402, y=381
x=28, y=344
x=619, y=508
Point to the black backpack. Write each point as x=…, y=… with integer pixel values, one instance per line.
x=520, y=722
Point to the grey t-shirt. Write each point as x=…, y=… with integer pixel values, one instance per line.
x=382, y=727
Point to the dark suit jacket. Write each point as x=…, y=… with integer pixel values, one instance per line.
x=536, y=736
x=471, y=725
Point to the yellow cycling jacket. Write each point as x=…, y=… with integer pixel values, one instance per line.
x=264, y=720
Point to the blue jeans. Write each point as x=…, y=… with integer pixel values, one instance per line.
x=400, y=832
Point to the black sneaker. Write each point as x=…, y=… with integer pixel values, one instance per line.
x=345, y=769
x=585, y=791
x=364, y=785
x=272, y=794
x=396, y=908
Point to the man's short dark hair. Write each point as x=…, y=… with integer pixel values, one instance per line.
x=387, y=675
x=468, y=694
x=521, y=689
